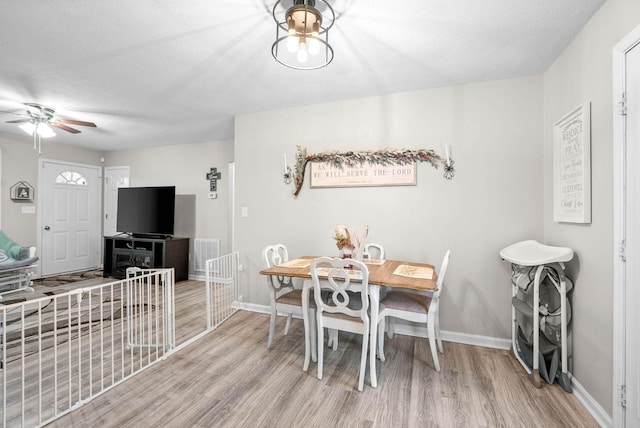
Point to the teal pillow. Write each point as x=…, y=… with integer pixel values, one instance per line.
x=10, y=248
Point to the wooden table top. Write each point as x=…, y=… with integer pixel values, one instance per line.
x=381, y=272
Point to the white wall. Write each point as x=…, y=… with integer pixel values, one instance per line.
x=186, y=166
x=584, y=73
x=495, y=129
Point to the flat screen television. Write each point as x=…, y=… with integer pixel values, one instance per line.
x=146, y=211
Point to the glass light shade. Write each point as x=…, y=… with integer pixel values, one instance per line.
x=292, y=43
x=28, y=127
x=44, y=130
x=313, y=45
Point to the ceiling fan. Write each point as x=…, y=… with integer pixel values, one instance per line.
x=41, y=118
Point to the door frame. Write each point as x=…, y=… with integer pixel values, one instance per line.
x=39, y=222
x=619, y=222
x=105, y=174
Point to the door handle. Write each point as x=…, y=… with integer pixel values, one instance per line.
x=47, y=228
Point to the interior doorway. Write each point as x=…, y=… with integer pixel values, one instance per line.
x=114, y=178
x=626, y=200
x=69, y=219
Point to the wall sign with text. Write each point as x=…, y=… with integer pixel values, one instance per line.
x=572, y=166
x=324, y=174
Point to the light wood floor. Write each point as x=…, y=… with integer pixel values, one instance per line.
x=230, y=379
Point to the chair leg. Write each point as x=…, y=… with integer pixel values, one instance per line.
x=286, y=326
x=312, y=335
x=331, y=336
x=432, y=343
x=381, y=338
x=272, y=328
x=391, y=328
x=363, y=358
x=335, y=340
x=438, y=335
x=320, y=345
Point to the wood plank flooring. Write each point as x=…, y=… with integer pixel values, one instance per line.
x=230, y=379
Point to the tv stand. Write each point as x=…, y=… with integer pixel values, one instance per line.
x=125, y=251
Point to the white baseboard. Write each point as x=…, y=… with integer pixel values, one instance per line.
x=252, y=307
x=592, y=406
x=450, y=336
x=411, y=330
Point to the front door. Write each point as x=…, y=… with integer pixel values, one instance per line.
x=69, y=195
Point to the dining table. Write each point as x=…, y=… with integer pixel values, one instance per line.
x=382, y=273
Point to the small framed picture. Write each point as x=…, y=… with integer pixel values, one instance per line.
x=22, y=191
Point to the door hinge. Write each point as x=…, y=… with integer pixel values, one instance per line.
x=622, y=395
x=622, y=250
x=622, y=105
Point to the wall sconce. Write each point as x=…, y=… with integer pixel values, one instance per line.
x=287, y=171
x=449, y=171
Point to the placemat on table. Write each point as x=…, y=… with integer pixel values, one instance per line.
x=296, y=263
x=414, y=271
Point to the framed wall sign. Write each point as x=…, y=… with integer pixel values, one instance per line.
x=572, y=166
x=22, y=192
x=324, y=174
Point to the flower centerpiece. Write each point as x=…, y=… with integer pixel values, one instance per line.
x=343, y=241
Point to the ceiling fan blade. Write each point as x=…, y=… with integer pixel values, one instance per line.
x=18, y=121
x=65, y=127
x=77, y=122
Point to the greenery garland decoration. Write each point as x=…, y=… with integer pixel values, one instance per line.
x=382, y=157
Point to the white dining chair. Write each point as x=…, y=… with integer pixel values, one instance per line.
x=345, y=306
x=373, y=251
x=420, y=307
x=284, y=298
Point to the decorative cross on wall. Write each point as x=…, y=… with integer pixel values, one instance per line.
x=213, y=176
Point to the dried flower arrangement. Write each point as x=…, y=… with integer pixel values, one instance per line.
x=342, y=241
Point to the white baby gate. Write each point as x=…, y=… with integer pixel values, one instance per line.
x=221, y=289
x=60, y=351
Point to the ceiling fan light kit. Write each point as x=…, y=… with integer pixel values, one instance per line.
x=302, y=33
x=43, y=129
x=40, y=120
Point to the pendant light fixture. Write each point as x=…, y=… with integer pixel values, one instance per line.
x=302, y=33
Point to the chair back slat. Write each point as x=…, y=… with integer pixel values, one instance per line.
x=378, y=250
x=347, y=283
x=441, y=273
x=274, y=255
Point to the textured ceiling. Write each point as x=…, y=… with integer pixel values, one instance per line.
x=156, y=72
